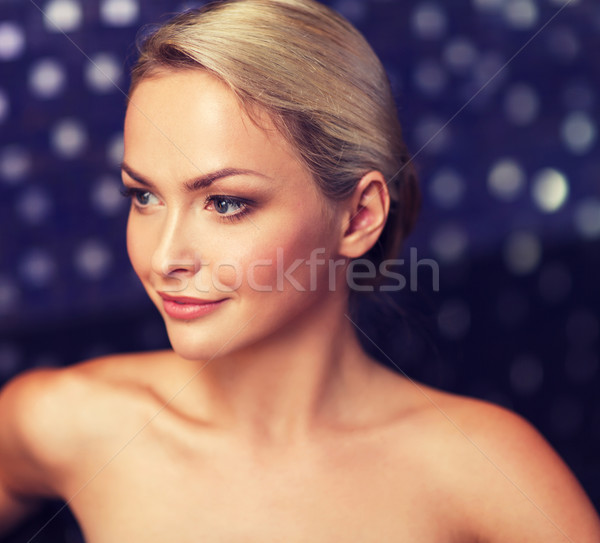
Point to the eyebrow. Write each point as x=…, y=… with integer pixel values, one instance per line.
x=197, y=183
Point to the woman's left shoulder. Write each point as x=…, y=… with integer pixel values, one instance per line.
x=509, y=480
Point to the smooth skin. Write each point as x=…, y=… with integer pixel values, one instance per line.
x=266, y=422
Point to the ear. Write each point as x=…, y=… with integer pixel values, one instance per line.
x=365, y=215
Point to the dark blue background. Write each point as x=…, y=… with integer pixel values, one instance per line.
x=511, y=189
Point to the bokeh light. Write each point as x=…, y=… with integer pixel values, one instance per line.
x=4, y=106
x=103, y=73
x=69, y=138
x=15, y=163
x=587, y=218
x=550, y=189
x=62, y=15
x=429, y=20
x=522, y=252
x=47, y=78
x=12, y=40
x=578, y=132
x=447, y=187
x=119, y=12
x=506, y=179
x=520, y=14
x=521, y=104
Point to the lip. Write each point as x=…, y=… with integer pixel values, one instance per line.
x=187, y=308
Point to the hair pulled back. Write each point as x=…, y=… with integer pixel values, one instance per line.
x=318, y=80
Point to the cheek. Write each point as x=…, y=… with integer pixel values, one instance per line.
x=139, y=248
x=277, y=259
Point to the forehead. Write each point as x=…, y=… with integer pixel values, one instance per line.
x=189, y=122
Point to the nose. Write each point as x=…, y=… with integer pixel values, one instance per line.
x=175, y=255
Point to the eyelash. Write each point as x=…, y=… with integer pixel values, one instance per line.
x=241, y=202
x=129, y=192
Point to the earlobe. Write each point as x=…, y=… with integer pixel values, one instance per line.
x=367, y=212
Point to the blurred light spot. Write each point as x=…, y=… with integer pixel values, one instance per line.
x=460, y=54
x=119, y=12
x=506, y=179
x=563, y=44
x=454, y=319
x=555, y=282
x=488, y=72
x=353, y=10
x=430, y=77
x=449, y=243
x=62, y=15
x=4, y=106
x=429, y=21
x=587, y=218
x=522, y=252
x=9, y=295
x=550, y=190
x=578, y=132
x=34, y=206
x=432, y=134
x=37, y=268
x=47, y=78
x=566, y=416
x=106, y=196
x=526, y=375
x=10, y=360
x=447, y=188
x=189, y=4
x=520, y=14
x=578, y=95
x=93, y=259
x=582, y=327
x=521, y=104
x=563, y=2
x=15, y=163
x=12, y=40
x=512, y=308
x=103, y=73
x=68, y=138
x=114, y=150
x=581, y=365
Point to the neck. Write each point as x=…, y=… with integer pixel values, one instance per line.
x=312, y=374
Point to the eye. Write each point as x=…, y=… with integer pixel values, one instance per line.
x=225, y=206
x=139, y=197
x=228, y=207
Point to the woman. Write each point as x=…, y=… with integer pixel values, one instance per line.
x=262, y=158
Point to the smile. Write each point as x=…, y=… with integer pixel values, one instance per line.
x=184, y=308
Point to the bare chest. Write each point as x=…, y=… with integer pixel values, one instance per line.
x=150, y=493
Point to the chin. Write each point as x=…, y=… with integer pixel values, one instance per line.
x=196, y=345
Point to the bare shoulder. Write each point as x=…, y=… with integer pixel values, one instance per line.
x=47, y=414
x=502, y=476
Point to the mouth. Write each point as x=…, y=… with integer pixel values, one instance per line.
x=186, y=308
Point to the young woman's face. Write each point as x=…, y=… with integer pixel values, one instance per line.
x=227, y=230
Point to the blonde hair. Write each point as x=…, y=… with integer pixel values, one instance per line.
x=316, y=77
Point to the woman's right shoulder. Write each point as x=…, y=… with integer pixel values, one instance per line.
x=45, y=412
x=48, y=414
x=49, y=389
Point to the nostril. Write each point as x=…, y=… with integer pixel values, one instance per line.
x=168, y=266
x=174, y=267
